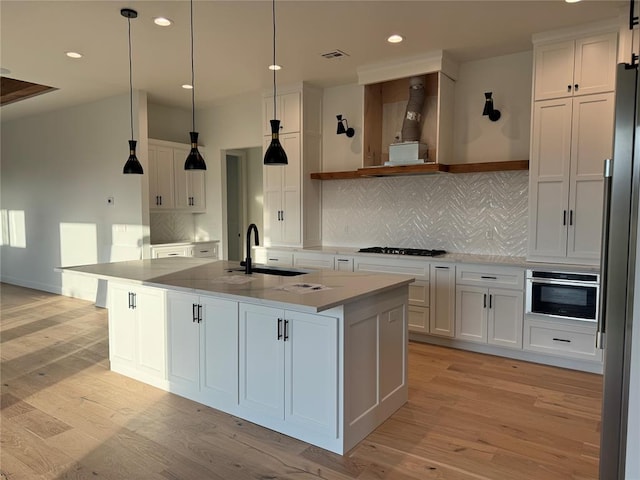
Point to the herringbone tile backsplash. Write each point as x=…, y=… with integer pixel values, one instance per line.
x=480, y=213
x=167, y=227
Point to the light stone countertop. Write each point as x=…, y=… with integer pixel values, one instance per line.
x=219, y=277
x=186, y=242
x=495, y=260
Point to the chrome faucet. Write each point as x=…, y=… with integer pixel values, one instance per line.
x=247, y=261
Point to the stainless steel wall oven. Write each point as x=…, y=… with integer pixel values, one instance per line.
x=570, y=295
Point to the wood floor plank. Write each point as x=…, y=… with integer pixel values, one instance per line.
x=469, y=416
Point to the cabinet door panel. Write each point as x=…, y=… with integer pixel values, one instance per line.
x=549, y=178
x=181, y=178
x=595, y=64
x=261, y=361
x=151, y=331
x=553, y=76
x=290, y=112
x=418, y=319
x=593, y=118
x=219, y=346
x=443, y=301
x=393, y=341
x=161, y=195
x=505, y=318
x=184, y=342
x=122, y=321
x=471, y=313
x=311, y=382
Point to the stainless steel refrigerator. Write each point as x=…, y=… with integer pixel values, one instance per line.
x=618, y=272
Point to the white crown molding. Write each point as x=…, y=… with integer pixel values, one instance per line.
x=435, y=61
x=605, y=26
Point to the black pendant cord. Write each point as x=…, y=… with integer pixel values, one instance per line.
x=274, y=58
x=193, y=86
x=130, y=79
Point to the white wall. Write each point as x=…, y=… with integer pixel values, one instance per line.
x=233, y=125
x=58, y=169
x=340, y=153
x=254, y=187
x=169, y=123
x=476, y=138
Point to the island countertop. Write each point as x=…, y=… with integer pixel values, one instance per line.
x=315, y=291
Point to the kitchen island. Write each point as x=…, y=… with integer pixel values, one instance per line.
x=321, y=357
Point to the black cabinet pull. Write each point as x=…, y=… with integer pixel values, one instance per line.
x=130, y=300
x=199, y=313
x=575, y=87
x=135, y=303
x=487, y=277
x=286, y=330
x=194, y=312
x=485, y=301
x=568, y=88
x=490, y=301
x=282, y=215
x=570, y=217
x=564, y=217
x=443, y=268
x=279, y=328
x=160, y=199
x=561, y=340
x=343, y=259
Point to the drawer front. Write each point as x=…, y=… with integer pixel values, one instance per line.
x=205, y=250
x=574, y=341
x=483, y=276
x=279, y=259
x=415, y=268
x=418, y=319
x=343, y=264
x=316, y=261
x=164, y=252
x=419, y=293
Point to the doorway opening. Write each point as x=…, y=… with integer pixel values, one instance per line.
x=243, y=197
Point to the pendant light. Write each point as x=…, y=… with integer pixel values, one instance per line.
x=132, y=165
x=194, y=160
x=275, y=154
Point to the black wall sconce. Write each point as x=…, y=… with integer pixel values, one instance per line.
x=343, y=127
x=494, y=115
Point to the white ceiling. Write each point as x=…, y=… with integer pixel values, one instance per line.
x=233, y=41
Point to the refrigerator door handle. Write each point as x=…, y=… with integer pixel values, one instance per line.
x=604, y=261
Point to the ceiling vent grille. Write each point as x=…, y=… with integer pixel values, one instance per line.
x=335, y=54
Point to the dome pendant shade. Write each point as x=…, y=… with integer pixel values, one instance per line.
x=275, y=154
x=132, y=165
x=194, y=159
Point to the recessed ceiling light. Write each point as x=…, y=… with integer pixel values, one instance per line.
x=73, y=54
x=275, y=67
x=162, y=21
x=186, y=86
x=572, y=1
x=395, y=39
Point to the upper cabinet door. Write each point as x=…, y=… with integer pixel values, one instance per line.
x=160, y=178
x=287, y=111
x=595, y=64
x=553, y=76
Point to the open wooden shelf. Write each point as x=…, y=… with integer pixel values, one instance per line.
x=423, y=169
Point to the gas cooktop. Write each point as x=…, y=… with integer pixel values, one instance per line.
x=420, y=252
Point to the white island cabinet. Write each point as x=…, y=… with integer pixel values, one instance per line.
x=326, y=366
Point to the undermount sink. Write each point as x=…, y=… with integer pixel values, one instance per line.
x=273, y=271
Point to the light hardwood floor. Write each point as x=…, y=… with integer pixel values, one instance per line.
x=469, y=416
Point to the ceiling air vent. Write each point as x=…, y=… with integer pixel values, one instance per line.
x=335, y=54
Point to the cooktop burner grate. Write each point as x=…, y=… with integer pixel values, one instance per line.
x=420, y=252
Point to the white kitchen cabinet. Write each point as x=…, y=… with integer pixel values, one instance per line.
x=276, y=258
x=287, y=111
x=581, y=66
x=443, y=300
x=571, y=137
x=189, y=184
x=161, y=182
x=485, y=312
x=203, y=349
x=292, y=200
x=137, y=331
x=166, y=251
x=171, y=187
x=282, y=202
x=205, y=250
x=280, y=378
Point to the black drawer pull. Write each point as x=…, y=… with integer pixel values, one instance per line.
x=443, y=268
x=486, y=277
x=286, y=330
x=343, y=260
x=561, y=340
x=279, y=328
